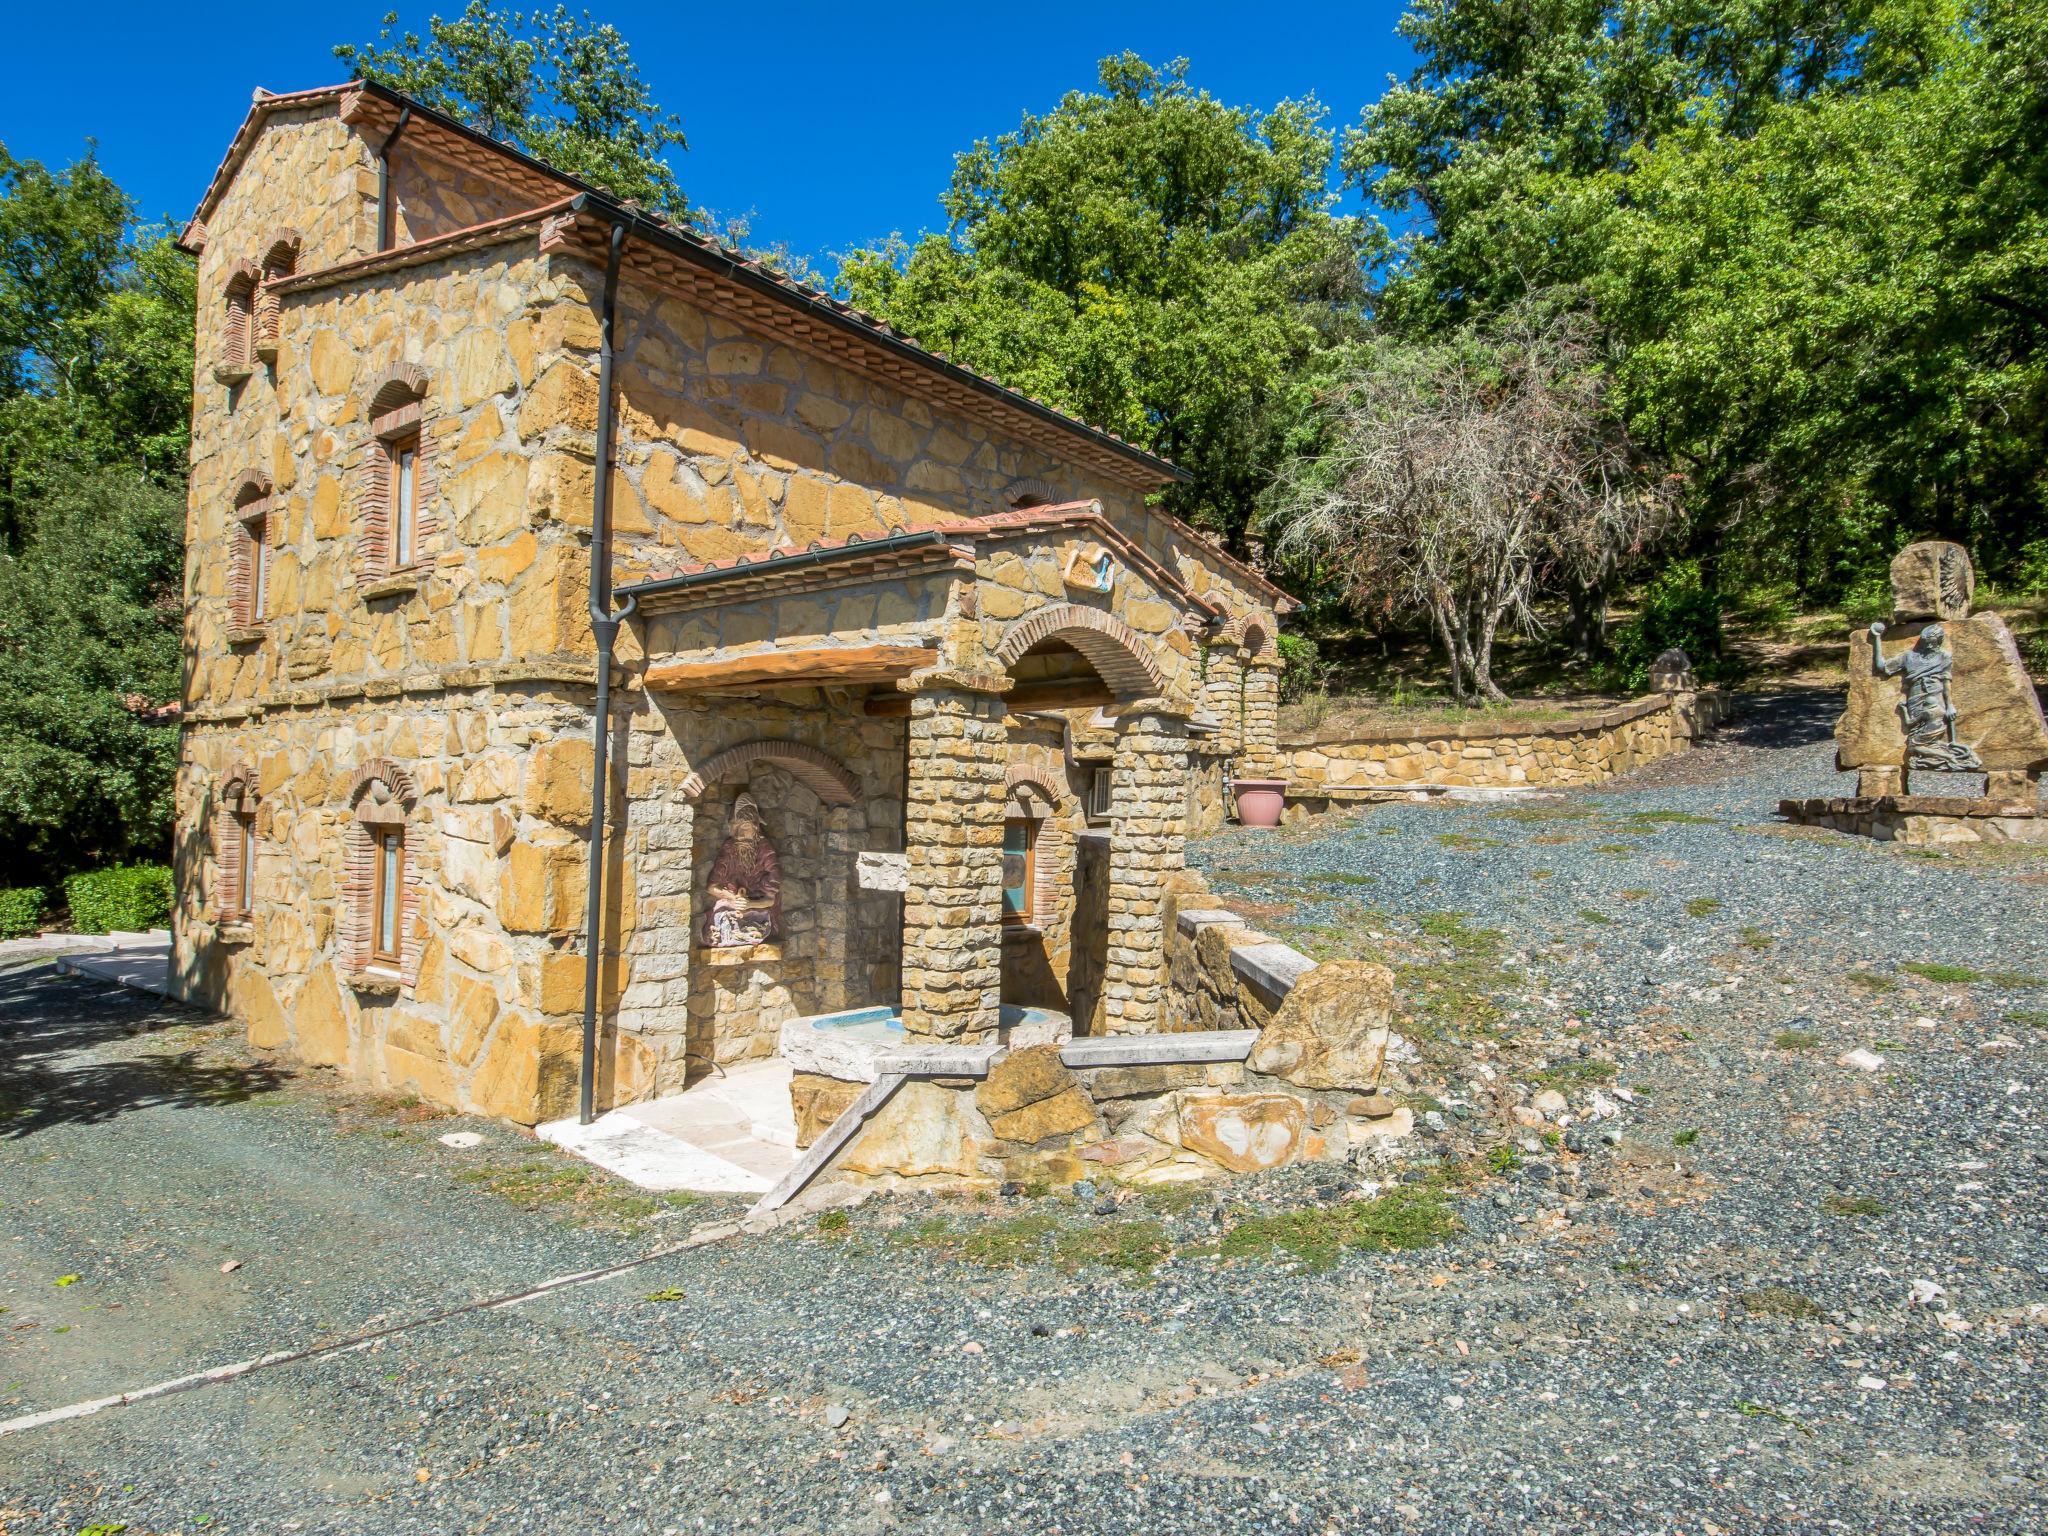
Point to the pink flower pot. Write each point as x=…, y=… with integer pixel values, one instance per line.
x=1259, y=801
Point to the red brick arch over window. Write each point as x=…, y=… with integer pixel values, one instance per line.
x=383, y=795
x=1034, y=778
x=252, y=528
x=280, y=259
x=233, y=801
x=238, y=299
x=1111, y=646
x=820, y=772
x=396, y=410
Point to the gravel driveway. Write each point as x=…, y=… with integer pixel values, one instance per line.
x=1769, y=1291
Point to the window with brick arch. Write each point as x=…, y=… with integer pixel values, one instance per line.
x=238, y=305
x=379, y=928
x=250, y=534
x=395, y=495
x=235, y=849
x=280, y=260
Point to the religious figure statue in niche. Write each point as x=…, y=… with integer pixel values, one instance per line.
x=746, y=884
x=1926, y=713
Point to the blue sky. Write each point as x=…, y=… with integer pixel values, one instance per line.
x=828, y=132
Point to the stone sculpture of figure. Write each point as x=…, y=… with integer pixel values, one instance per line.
x=1926, y=713
x=746, y=884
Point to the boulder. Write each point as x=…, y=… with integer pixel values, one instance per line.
x=1932, y=580
x=1333, y=1029
x=1030, y=1096
x=1244, y=1132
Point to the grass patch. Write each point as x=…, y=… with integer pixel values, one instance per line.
x=1576, y=1073
x=1503, y=1159
x=1779, y=1301
x=1796, y=1040
x=1450, y=928
x=834, y=1223
x=1853, y=1205
x=574, y=1193
x=1541, y=874
x=1465, y=842
x=1636, y=893
x=1928, y=970
x=1037, y=1236
x=1674, y=818
x=1594, y=917
x=1172, y=1199
x=1871, y=981
x=1702, y=906
x=1754, y=938
x=1410, y=1216
x=1542, y=813
x=2017, y=979
x=1615, y=848
x=1686, y=1137
x=1342, y=877
x=2033, y=1018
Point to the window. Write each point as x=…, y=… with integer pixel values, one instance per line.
x=379, y=928
x=404, y=480
x=1020, y=869
x=245, y=872
x=395, y=494
x=387, y=894
x=279, y=261
x=249, y=556
x=1099, y=800
x=237, y=339
x=253, y=562
x=234, y=848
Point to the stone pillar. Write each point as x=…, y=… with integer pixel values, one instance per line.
x=1875, y=783
x=953, y=833
x=1260, y=755
x=1223, y=695
x=1147, y=845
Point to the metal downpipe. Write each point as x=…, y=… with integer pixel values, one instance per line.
x=384, y=180
x=604, y=627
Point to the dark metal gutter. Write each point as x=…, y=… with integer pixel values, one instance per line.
x=384, y=230
x=604, y=627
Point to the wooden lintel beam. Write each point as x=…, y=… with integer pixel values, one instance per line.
x=795, y=667
x=1058, y=693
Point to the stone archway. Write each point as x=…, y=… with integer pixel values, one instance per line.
x=819, y=771
x=1115, y=650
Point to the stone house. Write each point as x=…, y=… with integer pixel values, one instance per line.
x=902, y=693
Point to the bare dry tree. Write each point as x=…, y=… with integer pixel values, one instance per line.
x=1459, y=478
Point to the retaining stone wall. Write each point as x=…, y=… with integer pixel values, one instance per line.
x=1584, y=750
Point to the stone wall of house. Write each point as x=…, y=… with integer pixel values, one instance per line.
x=683, y=1007
x=496, y=857
x=1582, y=750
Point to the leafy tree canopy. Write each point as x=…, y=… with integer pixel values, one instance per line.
x=95, y=336
x=554, y=83
x=1147, y=257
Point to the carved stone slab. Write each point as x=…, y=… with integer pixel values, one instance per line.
x=883, y=871
x=1997, y=710
x=1932, y=580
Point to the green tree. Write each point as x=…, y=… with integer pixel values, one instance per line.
x=1837, y=323
x=1148, y=258
x=554, y=83
x=95, y=336
x=90, y=614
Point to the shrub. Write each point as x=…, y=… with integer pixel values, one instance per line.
x=20, y=910
x=1301, y=670
x=1677, y=609
x=130, y=897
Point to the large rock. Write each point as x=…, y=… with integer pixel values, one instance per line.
x=917, y=1134
x=1030, y=1096
x=819, y=1101
x=1997, y=710
x=1245, y=1132
x=1932, y=580
x=1332, y=1030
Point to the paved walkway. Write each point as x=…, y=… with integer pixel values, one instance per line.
x=733, y=1132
